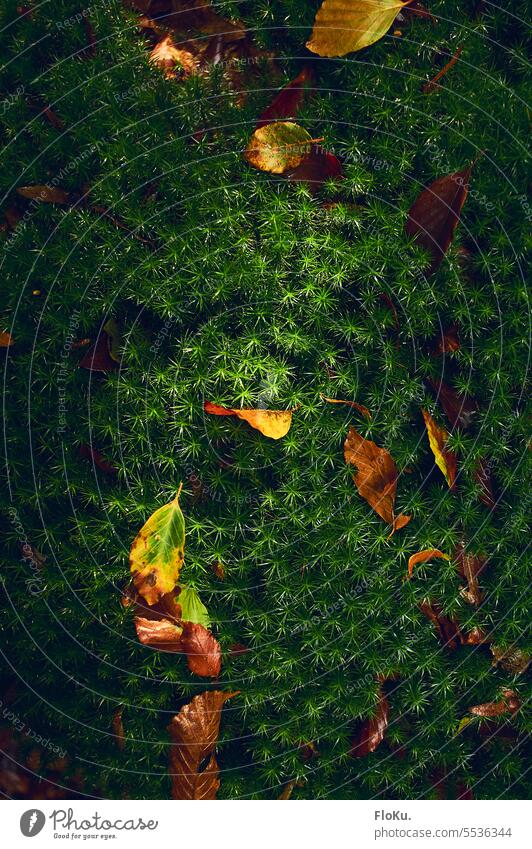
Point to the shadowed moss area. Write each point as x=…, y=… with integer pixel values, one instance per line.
x=232, y=285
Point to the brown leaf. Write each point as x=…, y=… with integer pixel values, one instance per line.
x=432, y=85
x=459, y=409
x=165, y=55
x=6, y=340
x=289, y=99
x=360, y=407
x=99, y=356
x=511, y=659
x=434, y=216
x=510, y=703
x=204, y=656
x=53, y=118
x=445, y=460
x=483, y=478
x=423, y=556
x=470, y=566
x=87, y=452
x=194, y=732
x=159, y=634
x=117, y=726
x=316, y=168
x=448, y=342
x=45, y=194
x=219, y=570
x=477, y=637
x=376, y=478
x=272, y=423
x=289, y=789
x=238, y=649
x=448, y=629
x=372, y=731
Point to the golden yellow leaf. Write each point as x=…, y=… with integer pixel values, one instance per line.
x=445, y=460
x=272, y=423
x=278, y=147
x=343, y=26
x=158, y=552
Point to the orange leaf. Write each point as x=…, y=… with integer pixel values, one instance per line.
x=510, y=703
x=165, y=55
x=159, y=634
x=445, y=460
x=5, y=339
x=272, y=423
x=359, y=407
x=423, y=556
x=376, y=479
x=194, y=733
x=204, y=656
x=432, y=84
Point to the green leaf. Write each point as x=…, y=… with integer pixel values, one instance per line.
x=192, y=608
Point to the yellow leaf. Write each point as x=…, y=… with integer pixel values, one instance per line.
x=272, y=423
x=445, y=460
x=343, y=26
x=278, y=147
x=158, y=552
x=464, y=722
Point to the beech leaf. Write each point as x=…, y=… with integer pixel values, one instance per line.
x=510, y=703
x=278, y=147
x=459, y=409
x=194, y=732
x=159, y=634
x=423, y=556
x=376, y=478
x=371, y=733
x=512, y=659
x=434, y=216
x=272, y=423
x=289, y=99
x=315, y=168
x=342, y=27
x=448, y=629
x=192, y=608
x=360, y=407
x=157, y=552
x=445, y=460
x=204, y=655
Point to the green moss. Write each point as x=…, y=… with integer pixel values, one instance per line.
x=247, y=291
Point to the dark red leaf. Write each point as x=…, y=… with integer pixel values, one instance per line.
x=449, y=341
x=98, y=357
x=435, y=214
x=482, y=475
x=289, y=99
x=316, y=168
x=459, y=409
x=448, y=629
x=371, y=733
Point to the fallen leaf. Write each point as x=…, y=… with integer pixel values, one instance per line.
x=194, y=733
x=360, y=407
x=464, y=722
x=31, y=553
x=166, y=56
x=510, y=703
x=434, y=216
x=431, y=85
x=272, y=423
x=459, y=409
x=342, y=28
x=87, y=452
x=45, y=194
x=448, y=342
x=423, y=556
x=512, y=659
x=157, y=552
x=315, y=168
x=192, y=608
x=289, y=789
x=289, y=99
x=376, y=478
x=448, y=629
x=372, y=731
x=482, y=476
x=159, y=634
x=103, y=355
x=470, y=566
x=117, y=726
x=445, y=460
x=476, y=637
x=204, y=655
x=308, y=751
x=6, y=339
x=53, y=118
x=219, y=570
x=278, y=147
x=238, y=649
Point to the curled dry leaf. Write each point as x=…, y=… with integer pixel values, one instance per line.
x=194, y=733
x=459, y=409
x=278, y=147
x=5, y=339
x=470, y=566
x=372, y=731
x=510, y=703
x=45, y=194
x=172, y=60
x=159, y=634
x=434, y=216
x=423, y=556
x=360, y=407
x=287, y=102
x=448, y=629
x=117, y=726
x=204, y=655
x=272, y=423
x=376, y=478
x=342, y=28
x=445, y=460
x=511, y=659
x=158, y=551
x=477, y=637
